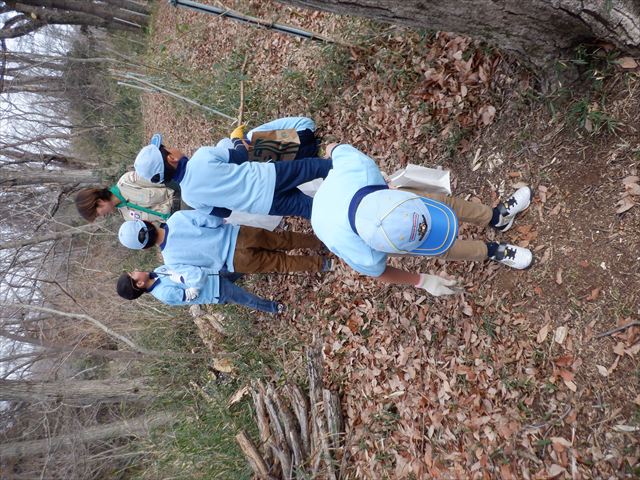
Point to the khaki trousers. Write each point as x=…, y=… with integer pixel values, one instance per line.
x=260, y=251
x=475, y=213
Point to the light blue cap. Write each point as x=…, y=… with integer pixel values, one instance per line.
x=149, y=162
x=394, y=221
x=133, y=234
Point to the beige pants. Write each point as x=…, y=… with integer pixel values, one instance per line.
x=475, y=213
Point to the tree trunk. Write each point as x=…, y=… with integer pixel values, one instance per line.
x=90, y=8
x=19, y=177
x=138, y=426
x=84, y=392
x=538, y=31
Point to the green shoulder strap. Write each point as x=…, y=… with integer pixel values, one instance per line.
x=125, y=203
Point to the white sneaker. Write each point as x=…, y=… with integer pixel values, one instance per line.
x=513, y=256
x=512, y=206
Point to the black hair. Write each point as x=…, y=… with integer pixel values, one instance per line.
x=153, y=234
x=126, y=287
x=169, y=170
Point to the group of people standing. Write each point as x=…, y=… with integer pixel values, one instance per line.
x=355, y=215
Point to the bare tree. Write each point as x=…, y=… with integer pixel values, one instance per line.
x=32, y=15
x=83, y=392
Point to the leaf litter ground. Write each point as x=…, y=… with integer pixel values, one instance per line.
x=508, y=380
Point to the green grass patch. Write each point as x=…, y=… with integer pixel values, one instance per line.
x=201, y=444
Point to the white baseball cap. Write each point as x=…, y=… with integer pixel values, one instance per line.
x=149, y=164
x=134, y=234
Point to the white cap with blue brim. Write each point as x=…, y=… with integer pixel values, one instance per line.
x=394, y=221
x=149, y=162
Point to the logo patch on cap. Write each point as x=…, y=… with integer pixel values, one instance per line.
x=422, y=228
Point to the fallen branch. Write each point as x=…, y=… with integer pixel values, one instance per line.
x=332, y=412
x=618, y=329
x=241, y=109
x=291, y=433
x=314, y=370
x=263, y=424
x=136, y=78
x=300, y=405
x=249, y=449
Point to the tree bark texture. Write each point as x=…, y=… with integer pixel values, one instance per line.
x=18, y=177
x=35, y=14
x=538, y=31
x=137, y=426
x=86, y=392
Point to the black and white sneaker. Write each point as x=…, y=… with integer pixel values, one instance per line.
x=512, y=206
x=513, y=256
x=282, y=308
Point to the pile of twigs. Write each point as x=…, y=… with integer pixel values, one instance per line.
x=301, y=436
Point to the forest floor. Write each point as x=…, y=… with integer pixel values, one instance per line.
x=510, y=379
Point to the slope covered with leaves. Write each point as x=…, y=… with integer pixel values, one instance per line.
x=509, y=379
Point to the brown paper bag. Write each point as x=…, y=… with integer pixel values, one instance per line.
x=274, y=145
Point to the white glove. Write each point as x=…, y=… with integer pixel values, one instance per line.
x=436, y=285
x=191, y=294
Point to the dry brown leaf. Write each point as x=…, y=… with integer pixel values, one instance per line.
x=566, y=374
x=559, y=276
x=542, y=334
x=625, y=204
x=563, y=442
x=236, y=397
x=571, y=385
x=630, y=180
x=627, y=63
x=594, y=294
x=602, y=370
x=223, y=365
x=555, y=470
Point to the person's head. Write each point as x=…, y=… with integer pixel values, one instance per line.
x=395, y=221
x=131, y=285
x=137, y=234
x=156, y=162
x=95, y=202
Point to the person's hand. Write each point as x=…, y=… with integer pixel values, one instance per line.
x=330, y=148
x=436, y=285
x=238, y=132
x=191, y=294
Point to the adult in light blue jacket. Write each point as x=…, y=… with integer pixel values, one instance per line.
x=219, y=180
x=191, y=285
x=363, y=221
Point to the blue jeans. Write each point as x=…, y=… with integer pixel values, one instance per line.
x=232, y=293
x=287, y=199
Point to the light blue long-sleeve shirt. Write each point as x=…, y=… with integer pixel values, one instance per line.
x=352, y=170
x=172, y=281
x=199, y=240
x=297, y=123
x=211, y=181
